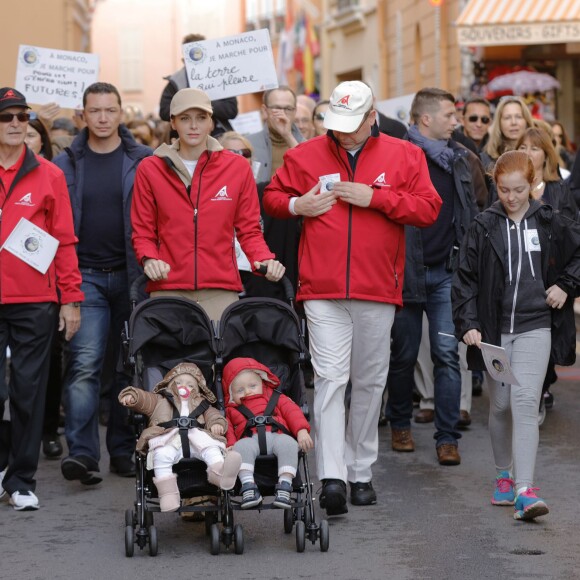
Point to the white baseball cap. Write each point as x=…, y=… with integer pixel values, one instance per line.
x=349, y=103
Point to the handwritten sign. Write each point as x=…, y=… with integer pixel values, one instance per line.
x=231, y=66
x=45, y=75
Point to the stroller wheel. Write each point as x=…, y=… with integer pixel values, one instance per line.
x=152, y=541
x=210, y=518
x=238, y=539
x=288, y=521
x=300, y=536
x=214, y=540
x=129, y=518
x=129, y=541
x=324, y=536
x=148, y=517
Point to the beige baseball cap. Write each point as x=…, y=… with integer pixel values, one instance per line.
x=189, y=99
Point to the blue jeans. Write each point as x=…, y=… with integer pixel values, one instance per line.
x=406, y=337
x=105, y=309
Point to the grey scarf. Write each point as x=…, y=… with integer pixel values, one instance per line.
x=437, y=150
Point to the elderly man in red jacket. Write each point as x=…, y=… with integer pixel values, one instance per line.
x=34, y=189
x=357, y=189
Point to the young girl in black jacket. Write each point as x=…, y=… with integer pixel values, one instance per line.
x=515, y=285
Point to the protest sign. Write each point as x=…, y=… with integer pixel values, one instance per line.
x=247, y=123
x=46, y=75
x=397, y=108
x=231, y=66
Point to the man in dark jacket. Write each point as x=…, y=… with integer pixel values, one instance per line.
x=223, y=109
x=100, y=168
x=431, y=252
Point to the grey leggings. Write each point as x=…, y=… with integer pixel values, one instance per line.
x=513, y=410
x=284, y=447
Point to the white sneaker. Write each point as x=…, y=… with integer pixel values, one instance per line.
x=24, y=501
x=2, y=490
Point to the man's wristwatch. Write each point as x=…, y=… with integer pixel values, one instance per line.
x=75, y=304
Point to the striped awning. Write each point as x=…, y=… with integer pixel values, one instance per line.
x=509, y=22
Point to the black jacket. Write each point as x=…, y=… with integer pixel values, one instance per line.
x=470, y=188
x=479, y=281
x=72, y=163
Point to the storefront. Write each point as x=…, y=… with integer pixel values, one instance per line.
x=542, y=35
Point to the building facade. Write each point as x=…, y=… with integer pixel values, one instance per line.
x=66, y=25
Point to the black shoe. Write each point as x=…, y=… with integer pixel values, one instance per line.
x=548, y=400
x=333, y=497
x=123, y=466
x=383, y=420
x=80, y=468
x=476, y=386
x=362, y=493
x=51, y=446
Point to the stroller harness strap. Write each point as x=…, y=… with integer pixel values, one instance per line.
x=184, y=424
x=259, y=422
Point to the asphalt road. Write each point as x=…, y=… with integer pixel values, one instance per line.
x=430, y=522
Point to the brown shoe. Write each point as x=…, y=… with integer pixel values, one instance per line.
x=425, y=416
x=402, y=440
x=447, y=454
x=464, y=420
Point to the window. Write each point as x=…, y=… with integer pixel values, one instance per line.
x=131, y=60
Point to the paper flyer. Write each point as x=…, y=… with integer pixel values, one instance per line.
x=32, y=245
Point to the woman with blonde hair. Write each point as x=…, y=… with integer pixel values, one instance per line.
x=512, y=117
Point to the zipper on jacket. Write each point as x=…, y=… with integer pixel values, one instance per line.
x=195, y=224
x=348, y=252
x=396, y=276
x=513, y=314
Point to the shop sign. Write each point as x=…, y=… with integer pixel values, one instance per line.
x=511, y=34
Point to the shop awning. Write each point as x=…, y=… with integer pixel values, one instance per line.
x=509, y=22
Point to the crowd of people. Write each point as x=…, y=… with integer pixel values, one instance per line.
x=407, y=248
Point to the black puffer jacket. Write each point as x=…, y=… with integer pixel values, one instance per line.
x=478, y=284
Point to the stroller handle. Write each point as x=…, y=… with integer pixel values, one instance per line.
x=134, y=291
x=141, y=281
x=287, y=287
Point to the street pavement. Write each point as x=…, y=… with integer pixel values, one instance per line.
x=430, y=522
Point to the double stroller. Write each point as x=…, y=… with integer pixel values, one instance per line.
x=161, y=333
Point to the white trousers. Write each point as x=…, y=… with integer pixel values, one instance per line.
x=423, y=374
x=201, y=446
x=348, y=339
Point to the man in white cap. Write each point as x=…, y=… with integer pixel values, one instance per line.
x=356, y=189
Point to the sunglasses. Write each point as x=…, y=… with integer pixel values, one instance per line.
x=244, y=152
x=474, y=118
x=8, y=117
x=320, y=116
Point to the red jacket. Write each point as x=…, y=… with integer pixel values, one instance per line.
x=286, y=412
x=189, y=223
x=39, y=194
x=352, y=252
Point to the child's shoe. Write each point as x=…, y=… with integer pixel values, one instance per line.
x=282, y=498
x=250, y=496
x=529, y=506
x=504, y=493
